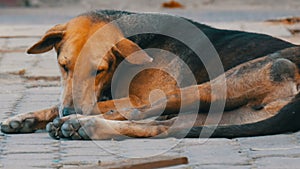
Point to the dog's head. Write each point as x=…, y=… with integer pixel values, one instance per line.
x=88, y=52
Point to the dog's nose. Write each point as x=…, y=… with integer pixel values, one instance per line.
x=68, y=111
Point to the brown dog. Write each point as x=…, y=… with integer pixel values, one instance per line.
x=260, y=94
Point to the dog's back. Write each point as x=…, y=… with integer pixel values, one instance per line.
x=233, y=47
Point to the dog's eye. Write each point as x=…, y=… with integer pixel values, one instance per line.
x=99, y=71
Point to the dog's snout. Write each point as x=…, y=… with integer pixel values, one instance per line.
x=68, y=111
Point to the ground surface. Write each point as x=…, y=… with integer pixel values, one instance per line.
x=39, y=88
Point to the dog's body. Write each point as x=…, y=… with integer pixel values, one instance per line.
x=261, y=96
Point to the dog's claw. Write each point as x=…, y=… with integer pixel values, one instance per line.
x=76, y=136
x=54, y=130
x=83, y=134
x=69, y=129
x=57, y=122
x=65, y=127
x=15, y=124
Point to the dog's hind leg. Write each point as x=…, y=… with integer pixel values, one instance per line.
x=250, y=84
x=29, y=122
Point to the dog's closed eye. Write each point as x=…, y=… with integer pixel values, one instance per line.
x=98, y=71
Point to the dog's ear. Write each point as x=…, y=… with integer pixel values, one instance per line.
x=131, y=52
x=47, y=42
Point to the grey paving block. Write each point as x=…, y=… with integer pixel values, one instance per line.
x=261, y=157
x=34, y=65
x=27, y=148
x=46, y=65
x=14, y=62
x=20, y=43
x=278, y=162
x=26, y=164
x=23, y=30
x=214, y=152
x=38, y=139
x=3, y=43
x=268, y=142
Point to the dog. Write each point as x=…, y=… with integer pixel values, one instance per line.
x=259, y=95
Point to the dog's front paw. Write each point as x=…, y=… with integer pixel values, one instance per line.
x=91, y=127
x=72, y=129
x=61, y=127
x=23, y=123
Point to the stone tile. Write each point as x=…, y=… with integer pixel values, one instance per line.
x=38, y=139
x=14, y=62
x=279, y=152
x=138, y=148
x=46, y=65
x=214, y=152
x=21, y=30
x=268, y=142
x=27, y=148
x=27, y=164
x=34, y=65
x=278, y=162
x=38, y=98
x=20, y=43
x=29, y=151
x=3, y=43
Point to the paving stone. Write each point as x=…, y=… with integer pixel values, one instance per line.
x=27, y=148
x=31, y=139
x=46, y=65
x=29, y=151
x=20, y=43
x=138, y=148
x=21, y=30
x=14, y=62
x=214, y=152
x=34, y=65
x=264, y=153
x=268, y=142
x=217, y=166
x=83, y=153
x=38, y=98
x=278, y=162
x=3, y=43
x=26, y=164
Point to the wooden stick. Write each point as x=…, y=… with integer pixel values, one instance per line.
x=146, y=163
x=138, y=163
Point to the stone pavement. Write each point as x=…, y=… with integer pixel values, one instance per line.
x=29, y=83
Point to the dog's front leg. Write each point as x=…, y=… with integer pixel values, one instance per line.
x=97, y=128
x=29, y=122
x=120, y=109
